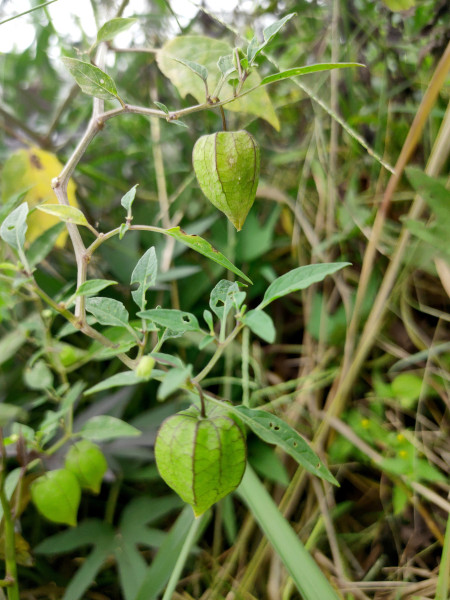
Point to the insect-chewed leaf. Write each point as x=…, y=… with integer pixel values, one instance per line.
x=202, y=459
x=175, y=320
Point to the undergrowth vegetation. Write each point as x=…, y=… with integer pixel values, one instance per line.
x=287, y=338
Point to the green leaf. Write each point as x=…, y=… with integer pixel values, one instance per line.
x=173, y=381
x=111, y=28
x=175, y=320
x=108, y=311
x=118, y=380
x=162, y=107
x=128, y=199
x=92, y=80
x=8, y=412
x=253, y=49
x=201, y=246
x=225, y=296
x=199, y=70
x=226, y=65
x=207, y=51
x=261, y=324
x=299, y=279
x=10, y=484
x=57, y=496
x=86, y=461
x=179, y=123
x=68, y=214
x=38, y=377
x=93, y=287
x=14, y=227
x=202, y=459
x=105, y=427
x=308, y=578
x=271, y=31
x=397, y=5
x=144, y=274
x=274, y=430
x=10, y=343
x=305, y=70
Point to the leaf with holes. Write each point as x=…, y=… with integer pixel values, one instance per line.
x=14, y=227
x=144, y=274
x=175, y=320
x=273, y=430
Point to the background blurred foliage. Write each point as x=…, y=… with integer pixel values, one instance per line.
x=40, y=104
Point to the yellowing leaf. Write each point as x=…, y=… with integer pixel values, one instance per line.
x=206, y=52
x=34, y=169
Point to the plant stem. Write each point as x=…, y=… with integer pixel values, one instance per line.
x=217, y=354
x=187, y=546
x=9, y=534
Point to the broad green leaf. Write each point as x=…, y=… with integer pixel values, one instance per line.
x=202, y=459
x=397, y=5
x=118, y=380
x=128, y=199
x=14, y=227
x=92, y=80
x=93, y=287
x=68, y=214
x=307, y=576
x=87, y=462
x=144, y=274
x=44, y=244
x=199, y=70
x=57, y=496
x=173, y=381
x=225, y=296
x=8, y=412
x=105, y=427
x=307, y=69
x=299, y=279
x=38, y=377
x=201, y=246
x=261, y=324
x=111, y=28
x=108, y=311
x=274, y=430
x=226, y=165
x=10, y=343
x=176, y=320
x=207, y=51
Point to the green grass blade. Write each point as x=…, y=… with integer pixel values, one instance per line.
x=443, y=585
x=308, y=578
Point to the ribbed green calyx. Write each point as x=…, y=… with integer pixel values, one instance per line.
x=202, y=459
x=227, y=168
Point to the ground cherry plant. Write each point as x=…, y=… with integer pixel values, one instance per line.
x=201, y=453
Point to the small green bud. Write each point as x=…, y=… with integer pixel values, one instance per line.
x=145, y=367
x=227, y=168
